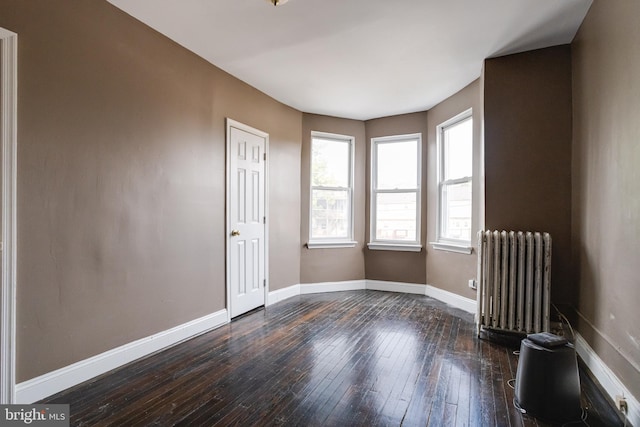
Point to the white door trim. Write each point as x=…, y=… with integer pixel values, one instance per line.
x=229, y=124
x=9, y=100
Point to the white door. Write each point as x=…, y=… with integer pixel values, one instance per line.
x=246, y=218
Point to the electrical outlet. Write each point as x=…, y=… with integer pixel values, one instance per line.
x=472, y=284
x=621, y=404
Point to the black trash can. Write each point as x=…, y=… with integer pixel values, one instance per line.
x=547, y=379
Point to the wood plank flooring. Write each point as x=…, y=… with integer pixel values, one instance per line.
x=362, y=358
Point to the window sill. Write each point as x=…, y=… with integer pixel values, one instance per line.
x=451, y=247
x=403, y=247
x=331, y=245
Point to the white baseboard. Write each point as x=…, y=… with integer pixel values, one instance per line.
x=349, y=285
x=405, y=288
x=61, y=379
x=607, y=379
x=458, y=301
x=455, y=300
x=283, y=294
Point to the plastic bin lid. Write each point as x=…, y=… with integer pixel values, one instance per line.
x=547, y=339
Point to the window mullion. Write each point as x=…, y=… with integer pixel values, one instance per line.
x=456, y=180
x=321, y=187
x=398, y=190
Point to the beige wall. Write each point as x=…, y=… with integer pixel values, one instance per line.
x=409, y=267
x=448, y=270
x=121, y=181
x=329, y=265
x=527, y=151
x=606, y=184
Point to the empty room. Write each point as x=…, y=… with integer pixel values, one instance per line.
x=320, y=212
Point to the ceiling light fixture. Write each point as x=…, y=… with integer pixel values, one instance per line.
x=277, y=2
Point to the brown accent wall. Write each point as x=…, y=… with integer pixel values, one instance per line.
x=527, y=143
x=409, y=267
x=335, y=264
x=448, y=270
x=121, y=181
x=606, y=185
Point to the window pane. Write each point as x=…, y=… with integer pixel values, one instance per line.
x=397, y=165
x=396, y=216
x=458, y=150
x=329, y=163
x=329, y=214
x=456, y=214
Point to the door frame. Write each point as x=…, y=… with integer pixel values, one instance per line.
x=8, y=135
x=229, y=124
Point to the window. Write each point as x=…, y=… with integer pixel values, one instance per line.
x=331, y=213
x=395, y=193
x=455, y=174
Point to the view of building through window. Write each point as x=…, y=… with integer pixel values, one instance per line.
x=396, y=216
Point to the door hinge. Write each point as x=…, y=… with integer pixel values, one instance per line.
x=264, y=283
x=264, y=156
x=264, y=219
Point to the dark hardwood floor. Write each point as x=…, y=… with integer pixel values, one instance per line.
x=361, y=358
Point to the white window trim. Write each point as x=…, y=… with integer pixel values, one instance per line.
x=330, y=245
x=443, y=243
x=395, y=245
x=452, y=247
x=338, y=242
x=401, y=247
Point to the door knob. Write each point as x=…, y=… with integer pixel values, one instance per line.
x=235, y=233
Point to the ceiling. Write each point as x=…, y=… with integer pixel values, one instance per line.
x=359, y=59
